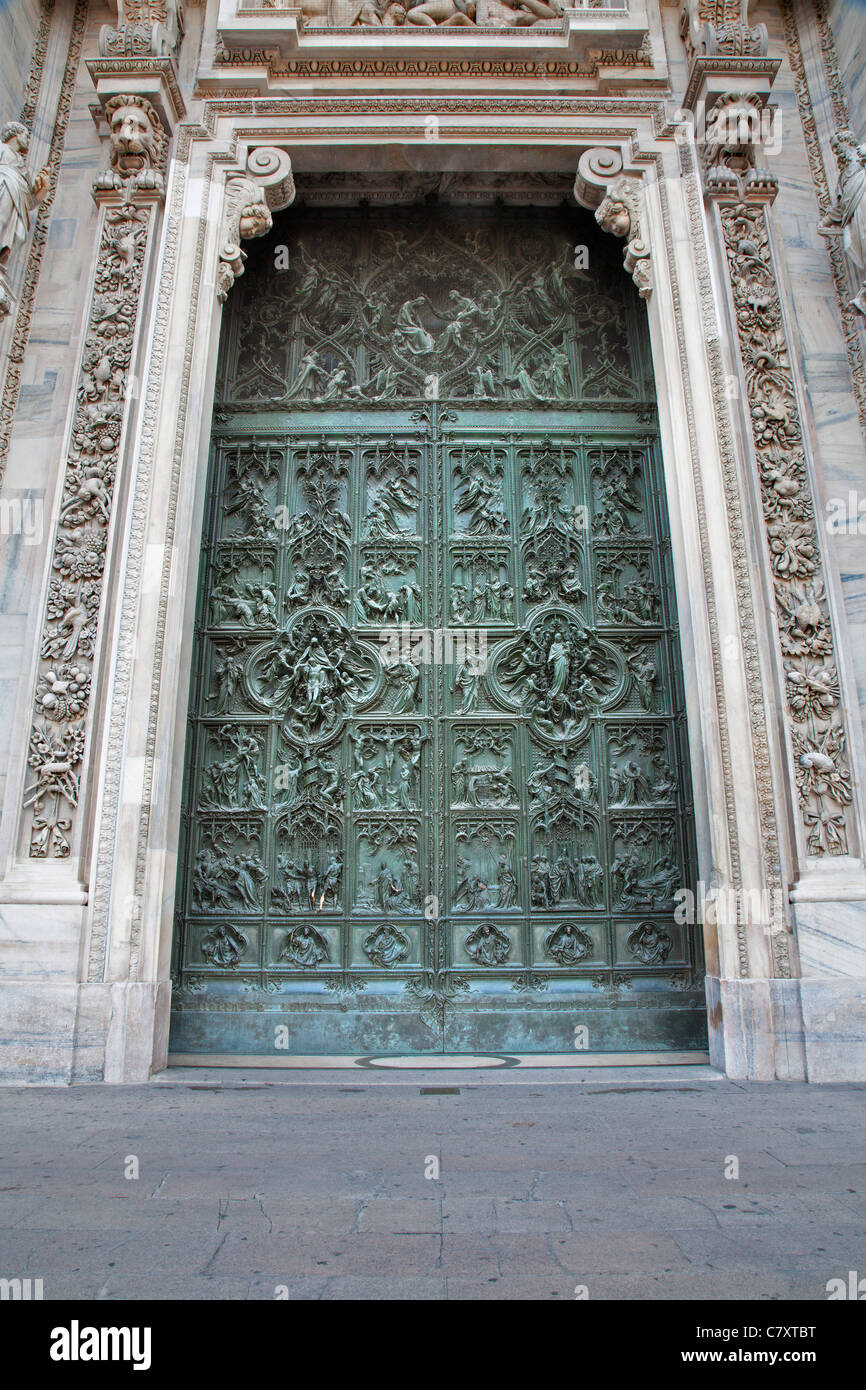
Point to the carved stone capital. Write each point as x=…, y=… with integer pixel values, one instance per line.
x=145, y=28
x=720, y=28
x=266, y=187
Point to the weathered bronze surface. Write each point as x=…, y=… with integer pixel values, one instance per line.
x=437, y=791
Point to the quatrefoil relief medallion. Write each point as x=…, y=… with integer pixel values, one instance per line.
x=316, y=673
x=558, y=673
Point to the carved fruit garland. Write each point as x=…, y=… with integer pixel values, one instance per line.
x=57, y=740
x=811, y=683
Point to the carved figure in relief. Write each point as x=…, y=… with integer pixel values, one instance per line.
x=645, y=675
x=649, y=943
x=305, y=946
x=386, y=946
x=223, y=945
x=428, y=13
x=488, y=945
x=646, y=875
x=410, y=335
x=19, y=193
x=250, y=877
x=467, y=679
x=568, y=944
x=848, y=217
x=228, y=669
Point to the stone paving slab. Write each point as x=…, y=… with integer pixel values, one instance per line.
x=328, y=1192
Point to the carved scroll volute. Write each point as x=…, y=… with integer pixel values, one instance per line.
x=267, y=186
x=617, y=200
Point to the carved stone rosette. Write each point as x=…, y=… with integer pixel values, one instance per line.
x=128, y=192
x=822, y=772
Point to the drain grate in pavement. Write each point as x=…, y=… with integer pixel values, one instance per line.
x=440, y=1090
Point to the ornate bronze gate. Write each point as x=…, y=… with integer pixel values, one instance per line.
x=437, y=792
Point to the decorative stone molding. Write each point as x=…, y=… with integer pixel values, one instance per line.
x=847, y=216
x=617, y=200
x=268, y=185
x=145, y=28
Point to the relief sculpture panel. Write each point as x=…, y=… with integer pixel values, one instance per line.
x=436, y=771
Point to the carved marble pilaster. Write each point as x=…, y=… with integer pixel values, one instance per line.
x=617, y=200
x=822, y=774
x=128, y=193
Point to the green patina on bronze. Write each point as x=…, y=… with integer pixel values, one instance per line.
x=437, y=793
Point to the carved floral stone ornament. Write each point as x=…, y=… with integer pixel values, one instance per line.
x=720, y=28
x=128, y=189
x=822, y=772
x=145, y=28
x=19, y=194
x=847, y=218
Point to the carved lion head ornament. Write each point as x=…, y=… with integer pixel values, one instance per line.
x=138, y=144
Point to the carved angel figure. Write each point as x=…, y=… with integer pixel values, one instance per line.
x=848, y=217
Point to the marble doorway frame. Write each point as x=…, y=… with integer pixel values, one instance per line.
x=740, y=767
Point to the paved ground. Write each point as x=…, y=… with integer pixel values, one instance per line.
x=546, y=1182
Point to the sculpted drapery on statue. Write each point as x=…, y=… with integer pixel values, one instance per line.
x=19, y=194
x=848, y=217
x=339, y=14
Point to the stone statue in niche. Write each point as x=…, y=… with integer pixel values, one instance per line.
x=848, y=218
x=19, y=194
